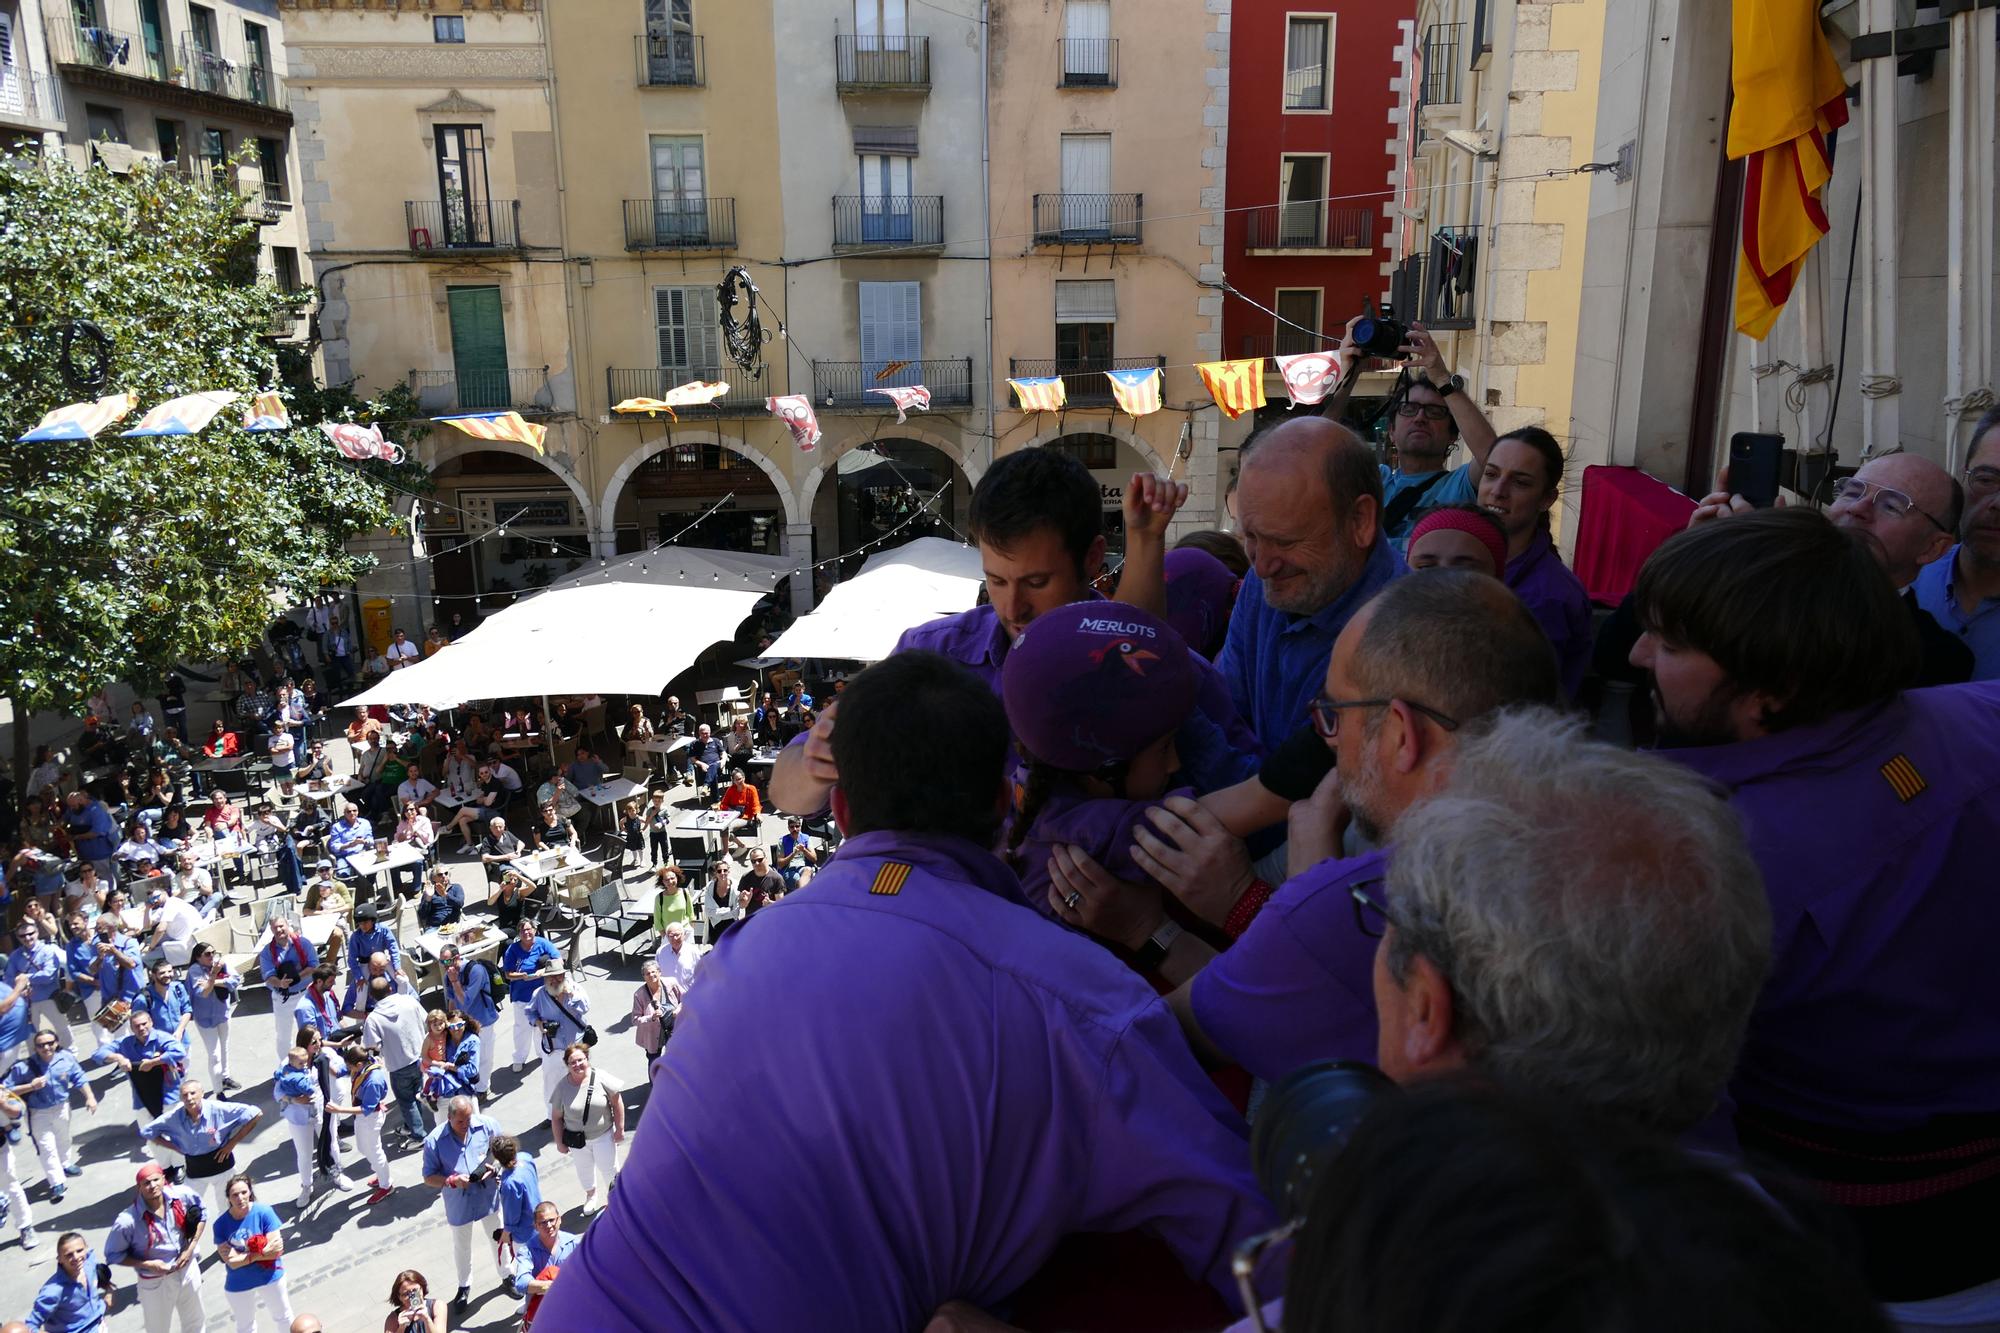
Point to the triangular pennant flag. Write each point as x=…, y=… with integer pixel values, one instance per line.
x=1137, y=391
x=891, y=369
x=188, y=414
x=1043, y=393
x=695, y=393
x=1237, y=386
x=1309, y=376
x=82, y=421
x=797, y=412
x=267, y=412
x=499, y=426
x=916, y=396
x=360, y=442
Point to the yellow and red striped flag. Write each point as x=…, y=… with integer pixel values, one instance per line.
x=267, y=413
x=82, y=421
x=499, y=426
x=1237, y=386
x=1137, y=391
x=1789, y=97
x=1042, y=393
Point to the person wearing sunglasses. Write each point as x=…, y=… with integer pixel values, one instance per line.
x=1962, y=589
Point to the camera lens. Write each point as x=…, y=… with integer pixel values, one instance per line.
x=1304, y=1123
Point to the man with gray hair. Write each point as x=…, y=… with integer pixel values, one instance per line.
x=1574, y=919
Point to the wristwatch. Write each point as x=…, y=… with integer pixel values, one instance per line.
x=1453, y=384
x=1154, y=951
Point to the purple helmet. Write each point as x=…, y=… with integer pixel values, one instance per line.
x=1094, y=683
x=1201, y=592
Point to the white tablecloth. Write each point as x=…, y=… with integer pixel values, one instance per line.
x=612, y=792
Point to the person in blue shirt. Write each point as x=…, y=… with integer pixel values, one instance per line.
x=370, y=938
x=168, y=1001
x=1962, y=590
x=796, y=858
x=213, y=988
x=458, y=1162
x=368, y=1098
x=286, y=963
x=547, y=1245
x=520, y=1195
x=250, y=1241
x=316, y=1008
x=45, y=1081
x=16, y=1020
x=204, y=1132
x=155, y=1065
x=42, y=962
x=441, y=902
x=156, y=1237
x=92, y=831
x=468, y=989
x=559, y=1012
x=460, y=1071
x=70, y=1301
x=80, y=963
x=349, y=835
x=295, y=1087
x=13, y=1198
x=522, y=966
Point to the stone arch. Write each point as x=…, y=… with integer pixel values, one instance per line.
x=444, y=447
x=1092, y=426
x=973, y=467
x=607, y=509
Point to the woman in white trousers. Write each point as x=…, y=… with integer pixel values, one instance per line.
x=250, y=1241
x=587, y=1120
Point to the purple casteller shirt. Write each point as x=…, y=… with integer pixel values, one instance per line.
x=1101, y=826
x=894, y=1089
x=1300, y=984
x=1556, y=599
x=1876, y=832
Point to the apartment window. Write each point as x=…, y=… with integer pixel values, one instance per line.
x=892, y=332
x=271, y=166
x=1302, y=195
x=201, y=21
x=285, y=267
x=465, y=205
x=885, y=197
x=1308, y=48
x=86, y=14
x=1298, y=321
x=680, y=189
x=169, y=134
x=1086, y=184
x=1086, y=315
x=881, y=25
x=256, y=46
x=105, y=122
x=1086, y=45
x=689, y=328
x=448, y=28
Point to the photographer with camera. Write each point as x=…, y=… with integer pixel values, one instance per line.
x=561, y=1013
x=458, y=1162
x=157, y=1238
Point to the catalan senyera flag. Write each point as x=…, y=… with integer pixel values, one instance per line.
x=82, y=421
x=266, y=413
x=188, y=414
x=1137, y=391
x=890, y=369
x=695, y=393
x=1043, y=393
x=1238, y=386
x=1309, y=376
x=1789, y=97
x=796, y=411
x=916, y=396
x=499, y=426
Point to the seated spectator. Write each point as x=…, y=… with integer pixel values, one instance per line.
x=139, y=852
x=586, y=770
x=488, y=801
x=434, y=639
x=707, y=756
x=416, y=789
x=440, y=902
x=1458, y=537
x=350, y=836
x=637, y=727
x=1518, y=485
x=1779, y=652
x=507, y=899
x=742, y=798
x=739, y=747
x=222, y=743
x=551, y=830
x=796, y=857
x=499, y=849
x=413, y=829
x=558, y=792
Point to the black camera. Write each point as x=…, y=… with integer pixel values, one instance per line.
x=1378, y=335
x=1304, y=1124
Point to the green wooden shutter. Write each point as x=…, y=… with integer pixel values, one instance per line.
x=479, y=348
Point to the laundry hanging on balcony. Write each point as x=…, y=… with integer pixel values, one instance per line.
x=187, y=415
x=1237, y=386
x=360, y=442
x=266, y=413
x=796, y=410
x=695, y=393
x=915, y=396
x=510, y=426
x=1137, y=391
x=82, y=421
x=1042, y=393
x=1309, y=376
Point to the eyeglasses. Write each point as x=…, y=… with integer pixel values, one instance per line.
x=1324, y=713
x=1370, y=915
x=1982, y=480
x=1428, y=411
x=1892, y=502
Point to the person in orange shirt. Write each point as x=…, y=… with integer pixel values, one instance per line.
x=741, y=796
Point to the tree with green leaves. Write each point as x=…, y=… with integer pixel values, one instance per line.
x=120, y=558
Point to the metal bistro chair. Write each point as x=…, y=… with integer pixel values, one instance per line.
x=610, y=915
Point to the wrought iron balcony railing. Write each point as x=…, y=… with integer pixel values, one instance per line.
x=669, y=224
x=671, y=60
x=745, y=397
x=846, y=384
x=881, y=64
x=1087, y=62
x=524, y=389
x=1311, y=226
x=1084, y=384
x=1078, y=219
x=906, y=222
x=463, y=224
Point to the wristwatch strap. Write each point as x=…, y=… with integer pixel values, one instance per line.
x=1154, y=951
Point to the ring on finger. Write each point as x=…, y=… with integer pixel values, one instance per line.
x=1071, y=899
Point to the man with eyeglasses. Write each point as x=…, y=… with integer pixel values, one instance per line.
x=45, y=1082
x=1963, y=590
x=1409, y=676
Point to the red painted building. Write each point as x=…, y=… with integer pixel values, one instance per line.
x=1312, y=158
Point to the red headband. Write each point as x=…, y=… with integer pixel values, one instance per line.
x=1461, y=520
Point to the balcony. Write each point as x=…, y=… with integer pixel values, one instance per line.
x=1310, y=228
x=109, y=49
x=1442, y=65
x=285, y=326
x=441, y=392
x=671, y=60
x=891, y=226
x=30, y=101
x=1083, y=385
x=1437, y=287
x=745, y=397
x=844, y=385
x=263, y=202
x=881, y=65
x=661, y=224
x=208, y=71
x=1087, y=62
x=461, y=224
x=1088, y=219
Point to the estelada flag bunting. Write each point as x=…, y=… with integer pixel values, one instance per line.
x=188, y=414
x=360, y=442
x=695, y=393
x=1309, y=376
x=266, y=413
x=1237, y=386
x=1137, y=391
x=1042, y=393
x=82, y=421
x=1790, y=95
x=796, y=410
x=915, y=396
x=499, y=426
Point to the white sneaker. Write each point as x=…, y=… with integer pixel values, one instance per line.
x=304, y=1201
x=340, y=1182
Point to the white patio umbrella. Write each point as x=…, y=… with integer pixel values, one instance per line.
x=897, y=590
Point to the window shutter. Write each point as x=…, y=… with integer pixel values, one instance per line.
x=1092, y=302
x=893, y=140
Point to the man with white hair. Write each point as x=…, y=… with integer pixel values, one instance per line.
x=458, y=1163
x=349, y=836
x=677, y=959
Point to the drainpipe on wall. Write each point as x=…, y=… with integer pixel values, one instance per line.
x=986, y=215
